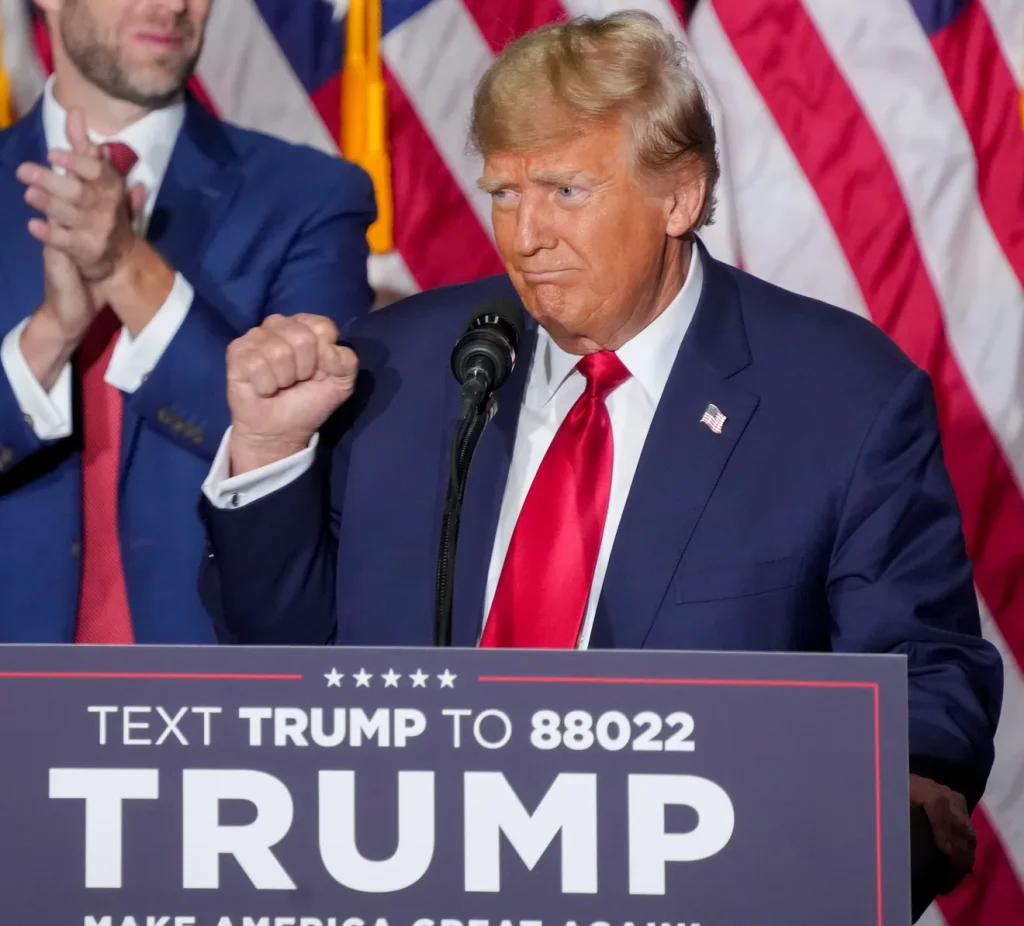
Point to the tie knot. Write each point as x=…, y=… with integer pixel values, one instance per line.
x=603, y=371
x=122, y=157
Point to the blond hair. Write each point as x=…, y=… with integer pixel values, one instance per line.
x=599, y=70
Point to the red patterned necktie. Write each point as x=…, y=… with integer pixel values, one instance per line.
x=103, y=615
x=545, y=580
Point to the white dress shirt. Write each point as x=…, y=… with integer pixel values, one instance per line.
x=552, y=388
x=152, y=138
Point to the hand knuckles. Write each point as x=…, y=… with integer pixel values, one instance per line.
x=253, y=363
x=322, y=327
x=238, y=348
x=303, y=338
x=278, y=352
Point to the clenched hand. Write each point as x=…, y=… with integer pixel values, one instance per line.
x=285, y=379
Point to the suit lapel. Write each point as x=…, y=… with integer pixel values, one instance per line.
x=485, y=488
x=680, y=465
x=197, y=190
x=21, y=257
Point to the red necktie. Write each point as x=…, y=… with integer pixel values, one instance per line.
x=103, y=615
x=546, y=577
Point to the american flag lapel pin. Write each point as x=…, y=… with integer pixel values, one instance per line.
x=713, y=418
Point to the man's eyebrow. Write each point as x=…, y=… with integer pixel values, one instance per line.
x=549, y=177
x=558, y=177
x=491, y=184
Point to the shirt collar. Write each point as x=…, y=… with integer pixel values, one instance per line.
x=152, y=137
x=648, y=355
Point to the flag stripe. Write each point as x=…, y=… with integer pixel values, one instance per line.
x=860, y=194
x=862, y=197
x=1006, y=783
x=919, y=201
x=440, y=86
x=433, y=227
x=765, y=177
x=931, y=917
x=992, y=895
x=987, y=96
x=1007, y=19
x=248, y=77
x=500, y=23
x=923, y=136
x=308, y=35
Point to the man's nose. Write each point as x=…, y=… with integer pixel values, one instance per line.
x=533, y=226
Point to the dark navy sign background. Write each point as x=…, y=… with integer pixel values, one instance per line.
x=208, y=785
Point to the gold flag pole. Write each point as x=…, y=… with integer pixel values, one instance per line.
x=353, y=83
x=6, y=98
x=376, y=160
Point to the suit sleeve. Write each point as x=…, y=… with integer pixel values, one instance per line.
x=901, y=582
x=269, y=571
x=18, y=438
x=324, y=272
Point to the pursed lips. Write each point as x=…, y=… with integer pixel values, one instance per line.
x=540, y=276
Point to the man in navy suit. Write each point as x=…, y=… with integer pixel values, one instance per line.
x=140, y=237
x=684, y=457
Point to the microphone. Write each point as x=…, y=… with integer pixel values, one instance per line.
x=481, y=361
x=485, y=354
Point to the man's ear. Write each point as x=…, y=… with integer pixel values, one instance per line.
x=687, y=202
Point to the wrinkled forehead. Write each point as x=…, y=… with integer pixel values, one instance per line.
x=592, y=150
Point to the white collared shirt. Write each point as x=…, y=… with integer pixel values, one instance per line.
x=152, y=138
x=552, y=388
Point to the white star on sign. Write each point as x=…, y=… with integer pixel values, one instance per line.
x=391, y=678
x=419, y=679
x=362, y=678
x=334, y=678
x=446, y=679
x=340, y=8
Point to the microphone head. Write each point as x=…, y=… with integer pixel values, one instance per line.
x=500, y=310
x=487, y=349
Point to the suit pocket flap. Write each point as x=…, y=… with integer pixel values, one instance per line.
x=736, y=581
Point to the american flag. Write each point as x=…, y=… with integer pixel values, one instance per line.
x=713, y=418
x=873, y=157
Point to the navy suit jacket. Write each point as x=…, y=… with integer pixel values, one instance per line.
x=256, y=226
x=820, y=519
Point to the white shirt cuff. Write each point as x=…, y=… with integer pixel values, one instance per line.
x=226, y=491
x=48, y=413
x=134, y=357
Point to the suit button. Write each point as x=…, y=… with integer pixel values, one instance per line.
x=76, y=549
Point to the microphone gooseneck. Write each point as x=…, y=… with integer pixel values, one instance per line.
x=482, y=360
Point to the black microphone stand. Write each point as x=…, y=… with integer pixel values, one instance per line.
x=468, y=430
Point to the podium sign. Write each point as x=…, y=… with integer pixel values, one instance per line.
x=205, y=786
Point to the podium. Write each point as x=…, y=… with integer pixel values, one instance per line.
x=224, y=786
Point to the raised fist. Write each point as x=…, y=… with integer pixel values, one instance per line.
x=285, y=378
